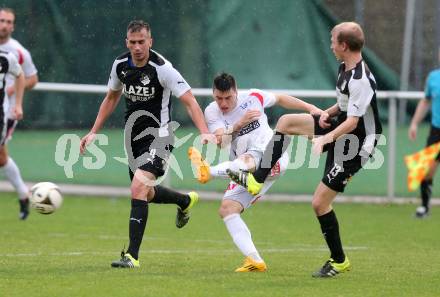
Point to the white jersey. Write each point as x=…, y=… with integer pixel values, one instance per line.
x=24, y=59
x=8, y=66
x=254, y=136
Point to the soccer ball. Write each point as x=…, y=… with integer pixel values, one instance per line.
x=46, y=197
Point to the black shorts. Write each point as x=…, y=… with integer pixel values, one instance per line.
x=149, y=155
x=434, y=137
x=338, y=172
x=6, y=135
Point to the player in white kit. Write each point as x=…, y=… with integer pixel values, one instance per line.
x=239, y=122
x=8, y=44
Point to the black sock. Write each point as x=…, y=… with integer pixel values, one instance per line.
x=274, y=150
x=168, y=196
x=136, y=226
x=330, y=230
x=426, y=191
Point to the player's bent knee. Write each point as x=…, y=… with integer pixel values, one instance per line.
x=223, y=211
x=226, y=210
x=317, y=206
x=283, y=124
x=320, y=208
x=139, y=190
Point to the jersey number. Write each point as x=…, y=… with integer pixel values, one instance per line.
x=334, y=172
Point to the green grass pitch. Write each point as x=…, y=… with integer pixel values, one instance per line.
x=69, y=252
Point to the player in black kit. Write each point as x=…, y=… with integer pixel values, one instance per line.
x=348, y=131
x=147, y=80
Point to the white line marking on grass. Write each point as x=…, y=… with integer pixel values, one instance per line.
x=146, y=237
x=293, y=246
x=21, y=255
x=310, y=249
x=185, y=251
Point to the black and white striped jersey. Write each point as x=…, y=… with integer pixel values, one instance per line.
x=147, y=88
x=8, y=66
x=24, y=58
x=356, y=96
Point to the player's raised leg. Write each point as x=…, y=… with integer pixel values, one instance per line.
x=202, y=167
x=185, y=202
x=206, y=172
x=290, y=124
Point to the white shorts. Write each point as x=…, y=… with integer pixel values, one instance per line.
x=257, y=155
x=238, y=193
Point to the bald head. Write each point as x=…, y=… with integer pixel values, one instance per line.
x=350, y=33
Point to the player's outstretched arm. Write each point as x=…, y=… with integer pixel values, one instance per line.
x=327, y=114
x=290, y=102
x=333, y=110
x=421, y=111
x=344, y=128
x=196, y=114
x=107, y=107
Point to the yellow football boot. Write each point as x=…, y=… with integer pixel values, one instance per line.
x=183, y=216
x=126, y=261
x=202, y=167
x=250, y=265
x=246, y=180
x=331, y=268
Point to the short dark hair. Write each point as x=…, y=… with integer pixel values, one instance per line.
x=224, y=82
x=9, y=10
x=137, y=26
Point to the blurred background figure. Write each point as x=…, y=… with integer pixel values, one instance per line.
x=9, y=44
x=431, y=100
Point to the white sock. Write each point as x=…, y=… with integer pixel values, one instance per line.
x=241, y=236
x=219, y=170
x=13, y=175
